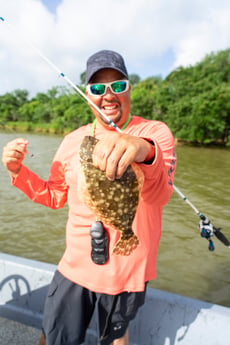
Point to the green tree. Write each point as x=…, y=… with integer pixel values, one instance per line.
x=143, y=98
x=134, y=79
x=83, y=78
x=10, y=103
x=194, y=102
x=27, y=110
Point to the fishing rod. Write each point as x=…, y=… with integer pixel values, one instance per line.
x=61, y=74
x=207, y=229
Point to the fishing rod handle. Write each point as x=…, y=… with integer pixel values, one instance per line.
x=221, y=237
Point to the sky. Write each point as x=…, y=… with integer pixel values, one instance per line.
x=154, y=37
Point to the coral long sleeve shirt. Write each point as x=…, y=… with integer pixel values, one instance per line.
x=120, y=273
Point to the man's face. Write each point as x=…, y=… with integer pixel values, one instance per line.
x=114, y=106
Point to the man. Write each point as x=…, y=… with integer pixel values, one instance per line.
x=115, y=289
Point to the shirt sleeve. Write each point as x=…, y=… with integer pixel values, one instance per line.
x=51, y=193
x=159, y=176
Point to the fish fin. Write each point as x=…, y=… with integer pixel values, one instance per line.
x=139, y=175
x=126, y=246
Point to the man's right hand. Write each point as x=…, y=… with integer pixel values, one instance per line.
x=13, y=155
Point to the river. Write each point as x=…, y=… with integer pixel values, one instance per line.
x=185, y=265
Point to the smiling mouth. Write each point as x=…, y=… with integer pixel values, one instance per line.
x=109, y=107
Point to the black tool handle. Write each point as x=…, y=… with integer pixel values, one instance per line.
x=99, y=242
x=221, y=237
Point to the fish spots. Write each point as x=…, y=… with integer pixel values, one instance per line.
x=113, y=202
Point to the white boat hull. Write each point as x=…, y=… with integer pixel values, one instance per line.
x=165, y=319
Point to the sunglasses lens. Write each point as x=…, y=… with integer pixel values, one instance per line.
x=119, y=86
x=97, y=89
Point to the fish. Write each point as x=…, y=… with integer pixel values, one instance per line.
x=113, y=202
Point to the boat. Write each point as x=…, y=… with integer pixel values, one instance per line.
x=165, y=318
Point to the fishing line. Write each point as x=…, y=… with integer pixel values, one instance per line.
x=207, y=233
x=32, y=155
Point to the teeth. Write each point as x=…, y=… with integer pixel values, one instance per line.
x=109, y=107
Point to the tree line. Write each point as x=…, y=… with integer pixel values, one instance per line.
x=193, y=101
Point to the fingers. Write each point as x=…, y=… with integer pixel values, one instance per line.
x=101, y=153
x=13, y=154
x=114, y=154
x=15, y=148
x=119, y=160
x=18, y=143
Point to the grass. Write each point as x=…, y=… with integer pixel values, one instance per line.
x=45, y=128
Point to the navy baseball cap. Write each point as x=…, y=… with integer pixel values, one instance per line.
x=105, y=59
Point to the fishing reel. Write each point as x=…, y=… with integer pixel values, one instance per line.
x=207, y=230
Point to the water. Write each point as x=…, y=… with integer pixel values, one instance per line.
x=184, y=266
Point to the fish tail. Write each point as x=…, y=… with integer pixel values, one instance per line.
x=126, y=246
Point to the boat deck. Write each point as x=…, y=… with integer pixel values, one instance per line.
x=15, y=333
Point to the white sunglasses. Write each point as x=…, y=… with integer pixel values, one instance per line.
x=99, y=89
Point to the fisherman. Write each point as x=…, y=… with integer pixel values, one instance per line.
x=113, y=286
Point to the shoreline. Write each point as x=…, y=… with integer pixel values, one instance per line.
x=48, y=129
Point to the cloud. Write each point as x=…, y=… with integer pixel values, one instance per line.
x=153, y=36
x=211, y=33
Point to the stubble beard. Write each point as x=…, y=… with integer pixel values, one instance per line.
x=115, y=120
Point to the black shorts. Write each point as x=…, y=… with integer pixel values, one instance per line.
x=69, y=308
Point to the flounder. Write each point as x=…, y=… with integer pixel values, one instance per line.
x=113, y=202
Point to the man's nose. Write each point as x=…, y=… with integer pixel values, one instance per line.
x=109, y=93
